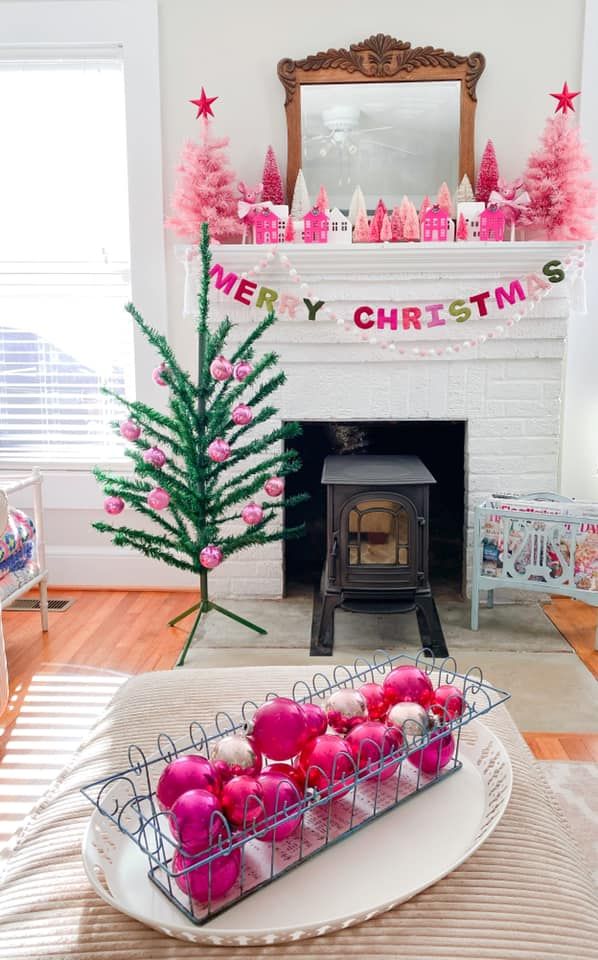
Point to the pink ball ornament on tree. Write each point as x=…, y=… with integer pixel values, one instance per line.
x=345, y=709
x=242, y=414
x=194, y=820
x=252, y=514
x=328, y=765
x=211, y=556
x=317, y=721
x=280, y=729
x=235, y=755
x=373, y=745
x=159, y=375
x=219, y=450
x=114, y=505
x=408, y=683
x=274, y=486
x=189, y=772
x=155, y=457
x=130, y=430
x=375, y=699
x=158, y=499
x=242, y=369
x=279, y=794
x=242, y=800
x=221, y=369
x=211, y=881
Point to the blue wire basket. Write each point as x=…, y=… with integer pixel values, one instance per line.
x=325, y=816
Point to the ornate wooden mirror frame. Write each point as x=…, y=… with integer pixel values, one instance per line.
x=381, y=58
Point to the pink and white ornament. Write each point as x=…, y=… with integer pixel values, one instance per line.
x=114, y=505
x=211, y=556
x=235, y=755
x=328, y=764
x=345, y=709
x=242, y=369
x=411, y=719
x=189, y=772
x=211, y=881
x=158, y=375
x=194, y=821
x=435, y=756
x=375, y=699
x=408, y=683
x=279, y=728
x=274, y=486
x=219, y=450
x=242, y=415
x=221, y=369
x=130, y=430
x=373, y=746
x=279, y=794
x=242, y=800
x=252, y=514
x=158, y=498
x=317, y=721
x=155, y=457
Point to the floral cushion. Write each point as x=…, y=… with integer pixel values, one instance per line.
x=16, y=542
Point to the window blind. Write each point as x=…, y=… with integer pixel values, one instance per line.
x=64, y=257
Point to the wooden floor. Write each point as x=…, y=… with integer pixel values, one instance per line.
x=61, y=681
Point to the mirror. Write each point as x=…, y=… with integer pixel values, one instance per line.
x=390, y=138
x=383, y=115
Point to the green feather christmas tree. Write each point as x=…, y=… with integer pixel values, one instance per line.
x=200, y=465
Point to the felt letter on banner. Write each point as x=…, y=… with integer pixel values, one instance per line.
x=553, y=271
x=268, y=297
x=387, y=319
x=411, y=317
x=515, y=292
x=435, y=320
x=534, y=283
x=358, y=318
x=288, y=303
x=313, y=307
x=459, y=310
x=223, y=282
x=480, y=301
x=245, y=289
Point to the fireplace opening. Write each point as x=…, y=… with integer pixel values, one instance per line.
x=440, y=444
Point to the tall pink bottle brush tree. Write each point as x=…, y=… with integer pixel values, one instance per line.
x=487, y=179
x=271, y=179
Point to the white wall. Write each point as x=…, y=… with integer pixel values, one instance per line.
x=233, y=48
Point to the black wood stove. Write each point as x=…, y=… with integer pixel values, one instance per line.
x=377, y=545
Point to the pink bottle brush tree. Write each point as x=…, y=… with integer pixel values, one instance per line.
x=204, y=191
x=487, y=180
x=361, y=232
x=271, y=178
x=562, y=195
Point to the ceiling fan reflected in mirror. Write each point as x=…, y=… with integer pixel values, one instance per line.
x=345, y=135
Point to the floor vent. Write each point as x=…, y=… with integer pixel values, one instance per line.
x=24, y=605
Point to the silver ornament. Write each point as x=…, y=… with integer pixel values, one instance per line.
x=411, y=719
x=345, y=709
x=234, y=755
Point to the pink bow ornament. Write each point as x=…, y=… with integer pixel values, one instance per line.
x=247, y=211
x=513, y=200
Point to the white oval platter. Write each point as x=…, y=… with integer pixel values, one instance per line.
x=412, y=847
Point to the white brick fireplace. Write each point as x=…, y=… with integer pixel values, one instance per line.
x=508, y=390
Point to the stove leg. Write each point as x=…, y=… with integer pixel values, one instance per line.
x=322, y=627
x=430, y=628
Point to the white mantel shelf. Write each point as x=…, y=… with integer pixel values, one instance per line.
x=464, y=259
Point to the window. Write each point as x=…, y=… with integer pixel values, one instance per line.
x=64, y=254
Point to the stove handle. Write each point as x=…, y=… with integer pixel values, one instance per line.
x=333, y=555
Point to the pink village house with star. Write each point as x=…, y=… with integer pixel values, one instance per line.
x=435, y=224
x=265, y=225
x=315, y=226
x=492, y=223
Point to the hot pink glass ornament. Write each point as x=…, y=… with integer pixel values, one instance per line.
x=242, y=414
x=375, y=699
x=158, y=499
x=114, y=505
x=252, y=514
x=435, y=756
x=130, y=430
x=279, y=793
x=448, y=702
x=242, y=799
x=158, y=375
x=242, y=369
x=372, y=743
x=274, y=486
x=326, y=761
x=211, y=556
x=408, y=683
x=221, y=368
x=345, y=709
x=317, y=721
x=280, y=728
x=155, y=456
x=219, y=450
x=211, y=881
x=292, y=772
x=235, y=755
x=190, y=772
x=193, y=820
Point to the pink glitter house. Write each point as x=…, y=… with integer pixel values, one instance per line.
x=492, y=223
x=315, y=226
x=265, y=226
x=435, y=224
